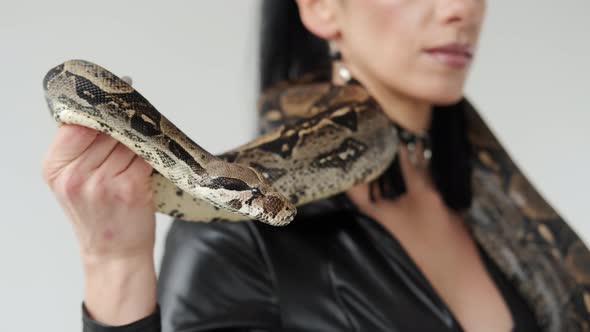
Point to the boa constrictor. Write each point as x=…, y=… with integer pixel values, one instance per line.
x=321, y=139
x=324, y=150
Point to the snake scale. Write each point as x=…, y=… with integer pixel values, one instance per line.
x=323, y=150
x=321, y=139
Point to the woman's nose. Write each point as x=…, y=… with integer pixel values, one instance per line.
x=462, y=12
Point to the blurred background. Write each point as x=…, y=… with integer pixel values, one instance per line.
x=196, y=62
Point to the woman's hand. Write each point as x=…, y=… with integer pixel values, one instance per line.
x=105, y=190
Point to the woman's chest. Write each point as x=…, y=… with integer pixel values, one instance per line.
x=338, y=283
x=444, y=254
x=349, y=274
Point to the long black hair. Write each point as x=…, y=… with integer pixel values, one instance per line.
x=288, y=50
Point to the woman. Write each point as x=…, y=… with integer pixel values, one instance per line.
x=418, y=250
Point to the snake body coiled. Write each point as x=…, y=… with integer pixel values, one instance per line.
x=324, y=147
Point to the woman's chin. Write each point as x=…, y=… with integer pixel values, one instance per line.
x=446, y=99
x=442, y=94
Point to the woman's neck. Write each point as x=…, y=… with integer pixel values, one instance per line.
x=409, y=113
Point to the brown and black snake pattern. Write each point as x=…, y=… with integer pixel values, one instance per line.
x=322, y=139
x=532, y=244
x=334, y=140
x=83, y=93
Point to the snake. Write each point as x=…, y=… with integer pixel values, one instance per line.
x=320, y=150
x=319, y=139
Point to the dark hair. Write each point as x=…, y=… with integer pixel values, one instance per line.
x=288, y=50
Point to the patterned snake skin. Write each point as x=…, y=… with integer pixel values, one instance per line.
x=328, y=149
x=322, y=139
x=526, y=237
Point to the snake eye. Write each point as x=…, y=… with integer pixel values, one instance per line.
x=256, y=192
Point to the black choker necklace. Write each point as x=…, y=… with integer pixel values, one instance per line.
x=412, y=141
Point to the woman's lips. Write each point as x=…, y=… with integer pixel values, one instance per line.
x=457, y=60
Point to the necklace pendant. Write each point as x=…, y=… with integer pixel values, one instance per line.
x=418, y=147
x=427, y=154
x=416, y=159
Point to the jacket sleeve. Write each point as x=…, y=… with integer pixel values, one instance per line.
x=150, y=323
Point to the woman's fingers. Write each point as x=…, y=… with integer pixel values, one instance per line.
x=95, y=155
x=69, y=142
x=135, y=184
x=117, y=161
x=84, y=151
x=137, y=169
x=84, y=164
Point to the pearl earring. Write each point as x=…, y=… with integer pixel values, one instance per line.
x=343, y=72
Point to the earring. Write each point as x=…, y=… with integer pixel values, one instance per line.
x=339, y=68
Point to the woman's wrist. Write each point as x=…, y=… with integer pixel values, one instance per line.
x=121, y=290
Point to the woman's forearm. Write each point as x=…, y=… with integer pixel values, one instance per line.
x=120, y=291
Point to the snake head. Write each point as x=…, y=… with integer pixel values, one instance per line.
x=250, y=194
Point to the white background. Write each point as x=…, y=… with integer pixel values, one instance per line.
x=196, y=62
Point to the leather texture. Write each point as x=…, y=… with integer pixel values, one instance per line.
x=334, y=269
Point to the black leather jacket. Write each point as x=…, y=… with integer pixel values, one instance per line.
x=332, y=269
